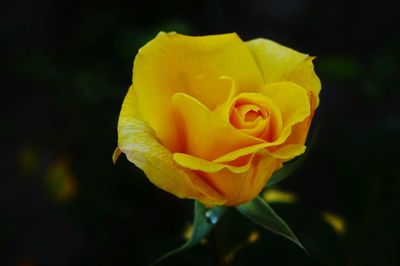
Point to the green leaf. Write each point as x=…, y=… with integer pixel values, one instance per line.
x=261, y=213
x=292, y=166
x=288, y=169
x=204, y=220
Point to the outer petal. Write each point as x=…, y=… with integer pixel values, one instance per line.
x=289, y=151
x=284, y=152
x=195, y=163
x=279, y=63
x=137, y=140
x=203, y=134
x=173, y=63
x=291, y=99
x=242, y=187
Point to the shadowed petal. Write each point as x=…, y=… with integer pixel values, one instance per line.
x=242, y=187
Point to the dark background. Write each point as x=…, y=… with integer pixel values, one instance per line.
x=66, y=67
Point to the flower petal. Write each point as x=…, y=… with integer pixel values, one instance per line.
x=268, y=104
x=137, y=140
x=242, y=187
x=195, y=163
x=291, y=99
x=173, y=63
x=116, y=154
x=280, y=63
x=202, y=133
x=299, y=132
x=288, y=152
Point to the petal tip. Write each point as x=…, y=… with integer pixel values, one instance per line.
x=116, y=154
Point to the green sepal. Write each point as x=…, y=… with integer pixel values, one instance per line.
x=204, y=220
x=288, y=169
x=292, y=166
x=262, y=214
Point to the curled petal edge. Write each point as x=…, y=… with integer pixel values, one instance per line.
x=138, y=142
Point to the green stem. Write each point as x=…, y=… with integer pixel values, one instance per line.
x=219, y=241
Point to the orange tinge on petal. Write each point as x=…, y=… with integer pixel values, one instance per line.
x=202, y=133
x=242, y=187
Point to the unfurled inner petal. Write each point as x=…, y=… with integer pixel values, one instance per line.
x=257, y=115
x=204, y=134
x=173, y=63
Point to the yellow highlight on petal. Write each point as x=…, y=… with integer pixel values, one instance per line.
x=336, y=222
x=275, y=195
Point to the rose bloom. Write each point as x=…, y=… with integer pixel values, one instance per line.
x=211, y=118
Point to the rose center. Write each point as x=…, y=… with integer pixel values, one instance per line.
x=250, y=118
x=249, y=113
x=256, y=115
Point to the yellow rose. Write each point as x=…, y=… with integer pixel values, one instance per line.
x=211, y=118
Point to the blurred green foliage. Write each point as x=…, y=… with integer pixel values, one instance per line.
x=66, y=67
